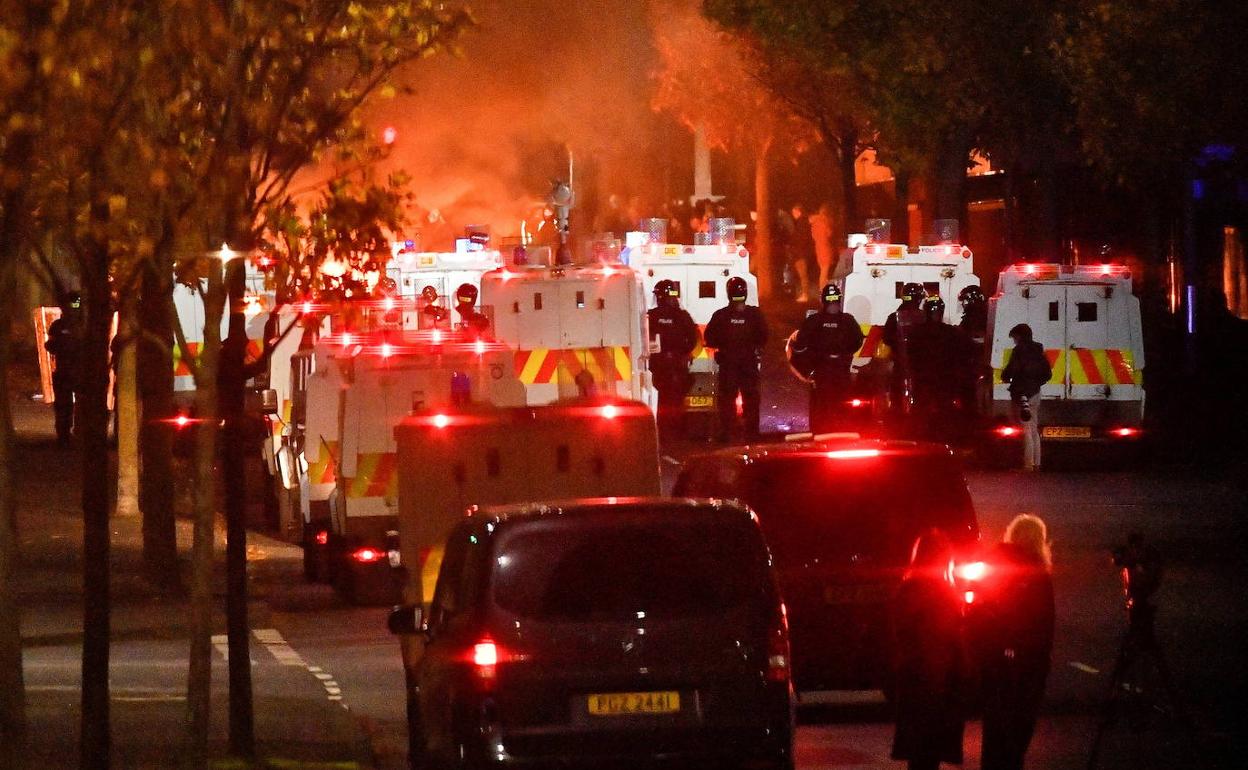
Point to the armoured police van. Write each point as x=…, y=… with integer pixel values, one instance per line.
x=880, y=270
x=359, y=389
x=701, y=272
x=1088, y=321
x=445, y=271
x=574, y=330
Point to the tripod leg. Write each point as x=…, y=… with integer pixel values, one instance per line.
x=1109, y=712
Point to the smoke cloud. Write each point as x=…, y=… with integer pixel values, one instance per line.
x=482, y=135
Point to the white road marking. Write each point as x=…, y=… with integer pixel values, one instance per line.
x=272, y=640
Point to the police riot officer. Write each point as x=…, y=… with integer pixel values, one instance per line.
x=974, y=329
x=65, y=346
x=908, y=315
x=737, y=332
x=472, y=321
x=677, y=337
x=433, y=315
x=824, y=350
x=936, y=357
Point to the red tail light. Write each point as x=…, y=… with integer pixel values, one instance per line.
x=853, y=454
x=610, y=411
x=856, y=402
x=485, y=654
x=968, y=597
x=321, y=537
x=1125, y=432
x=1007, y=431
x=972, y=571
x=367, y=555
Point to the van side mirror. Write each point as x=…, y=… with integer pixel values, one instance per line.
x=406, y=619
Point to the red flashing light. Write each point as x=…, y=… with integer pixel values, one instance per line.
x=307, y=308
x=856, y=402
x=367, y=555
x=968, y=597
x=387, y=304
x=321, y=537
x=181, y=421
x=1125, y=432
x=853, y=454
x=1107, y=269
x=610, y=411
x=386, y=350
x=1030, y=269
x=346, y=339
x=479, y=347
x=1007, y=431
x=389, y=135
x=441, y=421
x=436, y=337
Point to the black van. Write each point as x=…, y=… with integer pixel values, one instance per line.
x=600, y=632
x=840, y=518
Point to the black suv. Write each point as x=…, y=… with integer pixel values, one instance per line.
x=602, y=632
x=840, y=518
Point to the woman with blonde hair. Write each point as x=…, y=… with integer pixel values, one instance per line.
x=1011, y=635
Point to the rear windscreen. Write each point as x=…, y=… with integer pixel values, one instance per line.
x=613, y=570
x=814, y=507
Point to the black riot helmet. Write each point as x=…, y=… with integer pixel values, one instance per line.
x=831, y=293
x=913, y=292
x=737, y=289
x=971, y=295
x=666, y=288
x=70, y=301
x=934, y=309
x=466, y=294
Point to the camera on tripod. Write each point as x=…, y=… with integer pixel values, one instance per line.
x=1141, y=566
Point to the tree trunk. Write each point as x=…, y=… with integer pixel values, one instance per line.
x=12, y=688
x=232, y=367
x=127, y=406
x=155, y=381
x=847, y=157
x=950, y=183
x=199, y=678
x=91, y=424
x=901, y=206
x=764, y=260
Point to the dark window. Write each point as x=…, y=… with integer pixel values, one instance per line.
x=897, y=287
x=563, y=458
x=1054, y=311
x=493, y=464
x=537, y=300
x=580, y=299
x=1085, y=311
x=706, y=289
x=814, y=507
x=616, y=569
x=932, y=288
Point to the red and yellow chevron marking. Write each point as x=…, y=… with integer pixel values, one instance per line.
x=873, y=343
x=376, y=475
x=181, y=368
x=1104, y=367
x=700, y=350
x=1088, y=367
x=322, y=471
x=543, y=366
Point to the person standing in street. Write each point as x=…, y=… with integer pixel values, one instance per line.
x=974, y=330
x=737, y=332
x=64, y=344
x=802, y=251
x=897, y=328
x=929, y=663
x=824, y=350
x=677, y=336
x=1027, y=371
x=1011, y=637
x=821, y=234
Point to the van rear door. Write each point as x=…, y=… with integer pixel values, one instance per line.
x=1087, y=341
